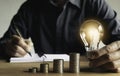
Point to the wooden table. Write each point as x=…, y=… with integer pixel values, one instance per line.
x=20, y=69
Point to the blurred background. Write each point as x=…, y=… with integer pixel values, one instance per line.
x=8, y=8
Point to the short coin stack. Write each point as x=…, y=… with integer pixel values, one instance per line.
x=44, y=67
x=33, y=70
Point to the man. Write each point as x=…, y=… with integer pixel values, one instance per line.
x=53, y=26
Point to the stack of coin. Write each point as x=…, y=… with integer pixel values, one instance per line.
x=44, y=67
x=74, y=65
x=58, y=65
x=33, y=70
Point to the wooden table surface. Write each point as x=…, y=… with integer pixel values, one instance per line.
x=20, y=69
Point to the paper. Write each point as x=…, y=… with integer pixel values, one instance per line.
x=36, y=58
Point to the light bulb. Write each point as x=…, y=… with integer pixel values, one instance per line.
x=90, y=33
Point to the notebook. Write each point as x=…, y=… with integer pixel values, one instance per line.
x=36, y=58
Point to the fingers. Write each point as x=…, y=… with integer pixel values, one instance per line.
x=117, y=70
x=19, y=50
x=105, y=59
x=24, y=43
x=28, y=42
x=98, y=62
x=114, y=46
x=114, y=55
x=111, y=65
x=94, y=54
x=14, y=50
x=17, y=55
x=18, y=46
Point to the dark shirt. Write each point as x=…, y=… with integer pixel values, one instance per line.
x=56, y=30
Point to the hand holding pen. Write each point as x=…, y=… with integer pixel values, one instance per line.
x=27, y=41
x=18, y=46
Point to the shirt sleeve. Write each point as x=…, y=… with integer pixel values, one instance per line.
x=19, y=21
x=108, y=17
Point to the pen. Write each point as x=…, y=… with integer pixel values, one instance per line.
x=21, y=37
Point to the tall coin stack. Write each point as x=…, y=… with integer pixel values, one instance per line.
x=58, y=65
x=74, y=66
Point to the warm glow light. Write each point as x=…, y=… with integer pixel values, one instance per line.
x=90, y=33
x=100, y=28
x=93, y=34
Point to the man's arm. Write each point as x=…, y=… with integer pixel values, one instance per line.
x=19, y=21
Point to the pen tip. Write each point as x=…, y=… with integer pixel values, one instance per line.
x=30, y=54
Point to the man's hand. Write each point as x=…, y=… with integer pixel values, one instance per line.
x=17, y=46
x=106, y=58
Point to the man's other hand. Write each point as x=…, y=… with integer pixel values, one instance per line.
x=106, y=58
